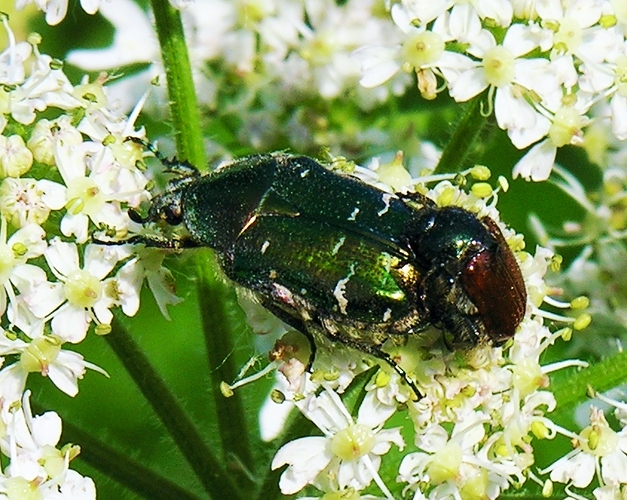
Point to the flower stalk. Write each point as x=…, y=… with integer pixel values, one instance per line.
x=208, y=467
x=463, y=142
x=183, y=102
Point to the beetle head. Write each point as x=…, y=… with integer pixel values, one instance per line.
x=472, y=285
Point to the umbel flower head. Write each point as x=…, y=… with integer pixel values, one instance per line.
x=65, y=169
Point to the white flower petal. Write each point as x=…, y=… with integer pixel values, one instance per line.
x=91, y=6
x=42, y=298
x=618, y=106
x=469, y=84
x=481, y=43
x=62, y=257
x=537, y=163
x=614, y=467
x=524, y=124
x=99, y=260
x=71, y=323
x=12, y=383
x=53, y=194
x=373, y=413
x=579, y=469
x=63, y=379
x=77, y=487
x=501, y=11
x=384, y=440
x=32, y=237
x=55, y=11
x=520, y=40
x=75, y=225
x=46, y=429
x=464, y=24
x=355, y=473
x=306, y=457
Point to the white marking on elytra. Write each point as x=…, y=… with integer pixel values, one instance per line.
x=340, y=289
x=388, y=261
x=283, y=294
x=386, y=197
x=338, y=245
x=249, y=223
x=387, y=314
x=304, y=173
x=353, y=215
x=264, y=247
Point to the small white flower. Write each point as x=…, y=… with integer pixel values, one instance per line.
x=566, y=125
x=81, y=295
x=26, y=243
x=44, y=87
x=452, y=464
x=513, y=77
x=598, y=449
x=420, y=50
x=43, y=355
x=36, y=464
x=350, y=451
x=22, y=201
x=146, y=265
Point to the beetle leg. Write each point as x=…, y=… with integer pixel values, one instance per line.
x=376, y=351
x=150, y=241
x=380, y=353
x=417, y=198
x=172, y=165
x=297, y=324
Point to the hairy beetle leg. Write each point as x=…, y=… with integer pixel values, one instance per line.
x=149, y=241
x=298, y=325
x=172, y=165
x=378, y=352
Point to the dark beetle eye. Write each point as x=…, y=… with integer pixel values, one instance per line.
x=172, y=215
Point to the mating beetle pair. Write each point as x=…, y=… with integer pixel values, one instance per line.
x=333, y=256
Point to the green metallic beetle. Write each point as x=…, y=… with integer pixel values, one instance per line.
x=333, y=256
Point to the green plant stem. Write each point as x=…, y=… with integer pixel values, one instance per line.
x=207, y=467
x=463, y=140
x=184, y=111
x=119, y=466
x=219, y=310
x=601, y=377
x=216, y=298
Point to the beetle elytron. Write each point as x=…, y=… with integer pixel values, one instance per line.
x=331, y=255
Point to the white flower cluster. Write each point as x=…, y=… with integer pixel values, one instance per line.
x=305, y=47
x=60, y=178
x=551, y=69
x=38, y=469
x=474, y=427
x=545, y=64
x=261, y=60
